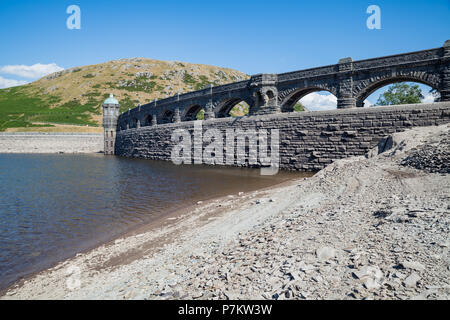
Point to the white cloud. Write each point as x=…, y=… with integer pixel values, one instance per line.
x=7, y=83
x=315, y=101
x=367, y=103
x=325, y=101
x=31, y=72
x=429, y=97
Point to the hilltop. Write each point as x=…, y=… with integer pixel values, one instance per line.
x=70, y=100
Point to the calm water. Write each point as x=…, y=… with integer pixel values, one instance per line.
x=54, y=206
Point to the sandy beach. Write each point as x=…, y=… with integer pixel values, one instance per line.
x=369, y=227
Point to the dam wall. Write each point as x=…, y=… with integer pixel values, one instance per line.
x=308, y=141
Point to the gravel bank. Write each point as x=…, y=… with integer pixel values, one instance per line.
x=372, y=227
x=50, y=142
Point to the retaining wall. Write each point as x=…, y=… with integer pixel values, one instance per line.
x=308, y=140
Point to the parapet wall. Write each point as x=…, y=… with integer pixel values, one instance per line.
x=308, y=140
x=34, y=142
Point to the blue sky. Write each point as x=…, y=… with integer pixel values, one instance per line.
x=250, y=36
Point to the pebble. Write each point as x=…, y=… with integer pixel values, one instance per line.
x=411, y=280
x=413, y=265
x=325, y=253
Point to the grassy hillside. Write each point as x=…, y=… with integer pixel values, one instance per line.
x=71, y=99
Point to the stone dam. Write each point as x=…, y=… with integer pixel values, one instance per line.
x=307, y=141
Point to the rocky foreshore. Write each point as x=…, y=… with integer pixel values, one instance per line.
x=369, y=227
x=51, y=142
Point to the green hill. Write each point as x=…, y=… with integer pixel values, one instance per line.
x=71, y=100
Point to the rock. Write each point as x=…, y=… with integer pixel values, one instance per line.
x=325, y=253
x=231, y=295
x=266, y=296
x=371, y=276
x=147, y=75
x=411, y=280
x=399, y=275
x=304, y=295
x=371, y=283
x=413, y=265
x=129, y=295
x=430, y=157
x=445, y=244
x=422, y=296
x=306, y=268
x=197, y=295
x=263, y=200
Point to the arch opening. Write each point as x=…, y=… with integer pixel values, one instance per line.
x=121, y=126
x=147, y=121
x=195, y=112
x=235, y=107
x=133, y=123
x=167, y=117
x=311, y=99
x=397, y=91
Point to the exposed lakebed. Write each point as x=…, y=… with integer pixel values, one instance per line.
x=54, y=206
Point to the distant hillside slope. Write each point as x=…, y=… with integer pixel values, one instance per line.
x=73, y=97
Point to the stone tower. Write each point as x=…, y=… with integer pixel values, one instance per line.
x=110, y=114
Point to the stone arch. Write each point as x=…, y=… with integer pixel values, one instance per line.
x=365, y=88
x=290, y=97
x=146, y=120
x=166, y=116
x=223, y=108
x=121, y=125
x=190, y=113
x=133, y=122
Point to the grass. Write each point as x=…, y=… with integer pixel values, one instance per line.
x=75, y=98
x=127, y=103
x=200, y=84
x=140, y=84
x=200, y=115
x=57, y=128
x=189, y=80
x=299, y=107
x=21, y=107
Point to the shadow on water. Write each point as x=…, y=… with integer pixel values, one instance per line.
x=53, y=206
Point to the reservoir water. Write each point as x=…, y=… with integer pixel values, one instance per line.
x=54, y=206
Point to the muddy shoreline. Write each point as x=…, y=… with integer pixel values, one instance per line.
x=158, y=220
